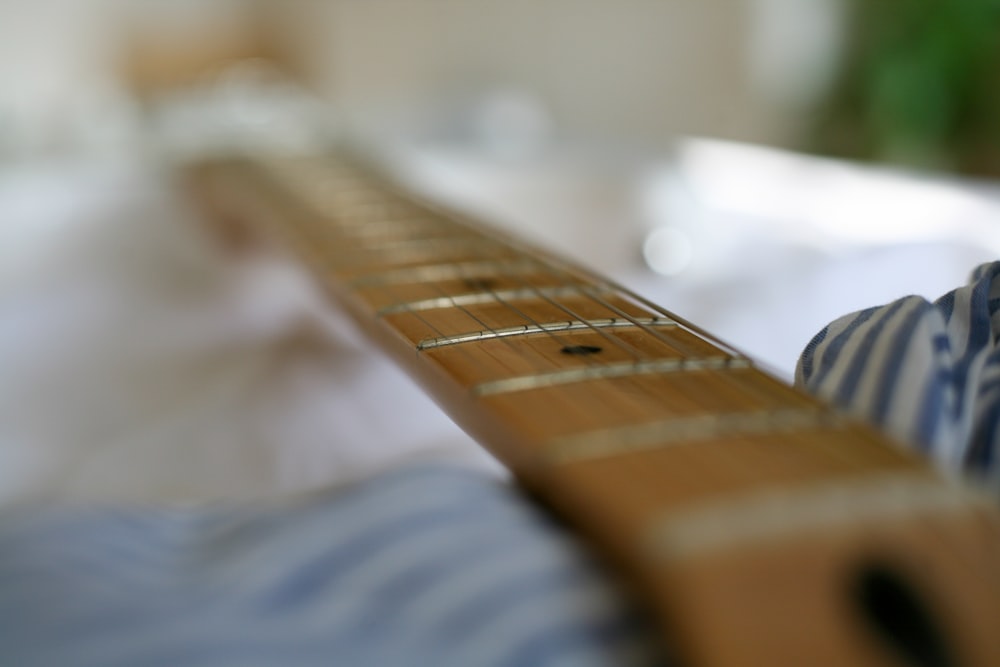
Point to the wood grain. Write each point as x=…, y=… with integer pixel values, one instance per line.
x=751, y=517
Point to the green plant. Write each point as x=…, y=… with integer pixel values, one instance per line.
x=920, y=85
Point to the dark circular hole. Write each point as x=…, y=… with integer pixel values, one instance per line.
x=581, y=350
x=480, y=283
x=900, y=618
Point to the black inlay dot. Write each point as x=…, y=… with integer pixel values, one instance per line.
x=581, y=350
x=900, y=618
x=483, y=284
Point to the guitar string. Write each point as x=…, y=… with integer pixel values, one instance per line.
x=560, y=274
x=729, y=459
x=497, y=298
x=485, y=288
x=563, y=341
x=585, y=360
x=443, y=215
x=560, y=340
x=381, y=194
x=850, y=455
x=635, y=353
x=510, y=307
x=724, y=459
x=386, y=289
x=836, y=451
x=395, y=298
x=652, y=331
x=565, y=268
x=329, y=223
x=721, y=455
x=589, y=293
x=831, y=451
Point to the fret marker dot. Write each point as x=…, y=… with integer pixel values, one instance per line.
x=483, y=284
x=581, y=350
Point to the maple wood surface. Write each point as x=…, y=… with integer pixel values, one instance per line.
x=761, y=504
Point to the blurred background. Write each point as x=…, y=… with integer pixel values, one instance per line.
x=908, y=81
x=758, y=166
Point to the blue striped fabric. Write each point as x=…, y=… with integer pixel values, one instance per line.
x=928, y=373
x=433, y=566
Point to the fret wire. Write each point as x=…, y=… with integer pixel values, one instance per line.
x=361, y=214
x=435, y=210
x=375, y=228
x=452, y=271
x=626, y=369
x=393, y=295
x=361, y=226
x=530, y=320
x=342, y=196
x=565, y=268
x=654, y=308
x=465, y=310
x=374, y=232
x=724, y=459
x=686, y=324
x=634, y=352
x=562, y=269
x=553, y=270
x=514, y=245
x=484, y=296
x=548, y=267
x=684, y=432
x=509, y=343
x=388, y=290
x=309, y=208
x=833, y=452
x=771, y=513
x=593, y=295
x=562, y=274
x=552, y=267
x=639, y=355
x=401, y=252
x=560, y=326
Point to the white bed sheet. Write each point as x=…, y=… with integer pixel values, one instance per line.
x=142, y=360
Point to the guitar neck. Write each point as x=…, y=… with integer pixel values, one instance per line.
x=763, y=527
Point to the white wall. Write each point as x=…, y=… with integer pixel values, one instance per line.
x=633, y=70
x=642, y=70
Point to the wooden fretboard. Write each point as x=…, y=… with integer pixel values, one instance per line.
x=763, y=527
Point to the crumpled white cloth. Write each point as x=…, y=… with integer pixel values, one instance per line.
x=142, y=359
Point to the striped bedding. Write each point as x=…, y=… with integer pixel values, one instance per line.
x=432, y=564
x=426, y=565
x=927, y=373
